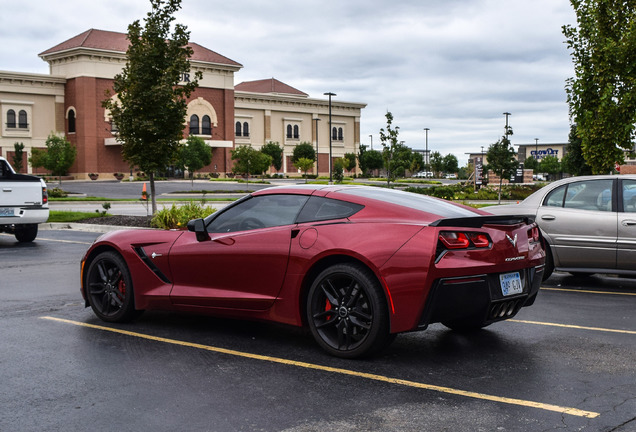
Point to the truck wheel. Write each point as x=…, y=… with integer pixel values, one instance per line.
x=26, y=233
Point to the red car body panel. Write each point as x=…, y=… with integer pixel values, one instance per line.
x=264, y=273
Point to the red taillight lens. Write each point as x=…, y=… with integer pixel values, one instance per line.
x=480, y=240
x=45, y=196
x=454, y=240
x=533, y=234
x=461, y=240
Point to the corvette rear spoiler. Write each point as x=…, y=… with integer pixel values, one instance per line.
x=479, y=221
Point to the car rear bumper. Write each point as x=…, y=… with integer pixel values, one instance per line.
x=478, y=298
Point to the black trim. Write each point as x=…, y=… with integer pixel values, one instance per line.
x=146, y=259
x=480, y=221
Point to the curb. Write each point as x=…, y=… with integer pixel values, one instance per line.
x=86, y=227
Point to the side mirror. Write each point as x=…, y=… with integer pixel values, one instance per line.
x=198, y=226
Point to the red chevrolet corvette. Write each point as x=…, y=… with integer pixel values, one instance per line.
x=356, y=265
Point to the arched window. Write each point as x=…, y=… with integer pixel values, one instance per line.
x=296, y=132
x=71, y=121
x=22, y=119
x=10, y=118
x=238, y=131
x=289, y=131
x=340, y=134
x=334, y=134
x=246, y=129
x=194, y=124
x=206, y=125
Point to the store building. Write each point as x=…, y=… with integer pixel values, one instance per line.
x=68, y=102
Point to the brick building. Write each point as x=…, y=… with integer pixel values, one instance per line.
x=68, y=102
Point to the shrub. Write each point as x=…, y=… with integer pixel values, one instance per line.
x=57, y=193
x=178, y=217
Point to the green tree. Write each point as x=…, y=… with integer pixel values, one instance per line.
x=303, y=150
x=451, y=164
x=550, y=165
x=417, y=162
x=304, y=164
x=501, y=160
x=437, y=163
x=151, y=105
x=370, y=160
x=194, y=155
x=275, y=151
x=58, y=157
x=18, y=156
x=531, y=163
x=349, y=161
x=249, y=161
x=338, y=170
x=573, y=160
x=602, y=94
x=396, y=156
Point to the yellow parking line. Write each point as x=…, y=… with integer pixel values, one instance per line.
x=588, y=291
x=381, y=378
x=631, y=332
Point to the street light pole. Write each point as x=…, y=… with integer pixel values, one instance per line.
x=371, y=136
x=507, y=127
x=536, y=148
x=426, y=153
x=330, y=94
x=317, y=154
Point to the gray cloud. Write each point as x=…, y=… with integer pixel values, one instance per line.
x=452, y=66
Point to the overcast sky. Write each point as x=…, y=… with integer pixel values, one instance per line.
x=454, y=66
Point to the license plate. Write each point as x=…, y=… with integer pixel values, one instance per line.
x=6, y=212
x=510, y=283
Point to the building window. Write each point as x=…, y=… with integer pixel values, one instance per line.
x=113, y=127
x=289, y=131
x=22, y=120
x=334, y=134
x=238, y=129
x=71, y=121
x=206, y=125
x=246, y=129
x=10, y=119
x=340, y=138
x=296, y=132
x=194, y=124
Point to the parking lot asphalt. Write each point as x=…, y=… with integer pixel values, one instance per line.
x=566, y=363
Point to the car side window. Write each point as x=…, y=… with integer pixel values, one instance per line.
x=629, y=196
x=321, y=208
x=593, y=195
x=263, y=211
x=555, y=197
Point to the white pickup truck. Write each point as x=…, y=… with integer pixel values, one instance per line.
x=24, y=203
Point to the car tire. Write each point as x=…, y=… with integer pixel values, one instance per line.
x=347, y=312
x=26, y=233
x=549, y=262
x=109, y=288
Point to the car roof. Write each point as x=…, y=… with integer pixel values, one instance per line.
x=381, y=196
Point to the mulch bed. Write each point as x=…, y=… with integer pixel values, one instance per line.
x=120, y=220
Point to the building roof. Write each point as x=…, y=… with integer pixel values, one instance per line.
x=117, y=42
x=270, y=85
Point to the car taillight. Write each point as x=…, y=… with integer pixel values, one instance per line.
x=533, y=235
x=45, y=196
x=461, y=240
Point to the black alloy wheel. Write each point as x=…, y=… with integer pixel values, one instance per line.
x=347, y=311
x=109, y=288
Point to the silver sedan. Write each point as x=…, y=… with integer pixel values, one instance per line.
x=589, y=223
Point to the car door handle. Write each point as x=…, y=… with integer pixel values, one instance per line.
x=7, y=190
x=629, y=222
x=548, y=217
